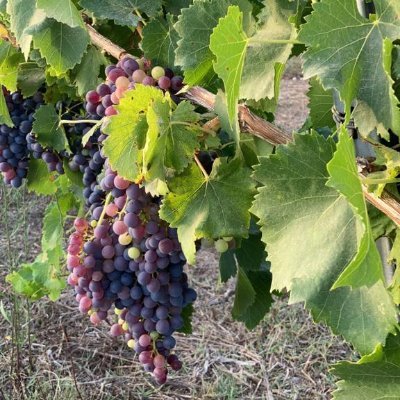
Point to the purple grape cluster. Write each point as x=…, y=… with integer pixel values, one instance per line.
x=123, y=76
x=131, y=260
x=89, y=161
x=53, y=160
x=14, y=152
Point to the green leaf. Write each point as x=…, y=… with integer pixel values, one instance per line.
x=86, y=137
x=381, y=225
x=339, y=53
x=47, y=129
x=5, y=117
x=376, y=376
x=195, y=201
x=23, y=14
x=160, y=41
x=30, y=78
x=270, y=46
x=228, y=42
x=61, y=45
x=62, y=11
x=251, y=253
x=195, y=26
x=170, y=142
x=296, y=206
x=246, y=65
x=245, y=295
x=87, y=72
x=39, y=179
x=175, y=6
x=122, y=11
x=187, y=313
x=394, y=287
x=227, y=265
x=127, y=130
x=255, y=312
x=10, y=58
x=366, y=267
x=321, y=102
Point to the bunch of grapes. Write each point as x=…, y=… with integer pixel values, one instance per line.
x=89, y=161
x=53, y=160
x=14, y=152
x=124, y=76
x=126, y=257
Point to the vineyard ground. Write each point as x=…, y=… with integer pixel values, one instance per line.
x=286, y=357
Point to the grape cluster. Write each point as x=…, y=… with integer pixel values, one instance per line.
x=53, y=160
x=89, y=161
x=14, y=151
x=123, y=76
x=126, y=257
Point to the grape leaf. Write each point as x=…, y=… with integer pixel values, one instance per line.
x=5, y=117
x=389, y=159
x=296, y=207
x=245, y=294
x=175, y=6
x=320, y=105
x=195, y=201
x=10, y=58
x=195, y=25
x=30, y=78
x=87, y=72
x=270, y=45
x=394, y=287
x=43, y=276
x=170, y=142
x=376, y=376
x=228, y=43
x=243, y=60
x=62, y=11
x=23, y=14
x=160, y=41
x=47, y=129
x=61, y=45
x=127, y=130
x=39, y=179
x=3, y=6
x=366, y=267
x=122, y=11
x=227, y=265
x=251, y=253
x=339, y=53
x=187, y=313
x=36, y=280
x=252, y=312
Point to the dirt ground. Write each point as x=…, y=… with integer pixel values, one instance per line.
x=48, y=351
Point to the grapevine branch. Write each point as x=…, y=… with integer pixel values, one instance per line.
x=254, y=125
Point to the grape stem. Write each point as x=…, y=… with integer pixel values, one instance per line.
x=252, y=124
x=103, y=213
x=79, y=121
x=200, y=165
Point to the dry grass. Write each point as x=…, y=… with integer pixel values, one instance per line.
x=48, y=351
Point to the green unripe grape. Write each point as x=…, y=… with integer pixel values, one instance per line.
x=157, y=73
x=134, y=253
x=221, y=246
x=154, y=335
x=125, y=239
x=228, y=238
x=131, y=343
x=93, y=223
